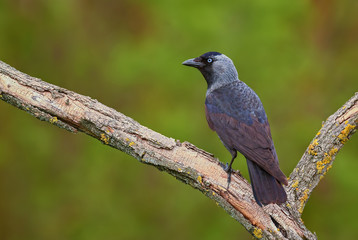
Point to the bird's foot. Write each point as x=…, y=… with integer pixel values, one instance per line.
x=226, y=167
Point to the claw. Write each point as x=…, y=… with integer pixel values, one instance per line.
x=226, y=167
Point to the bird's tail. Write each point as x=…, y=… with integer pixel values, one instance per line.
x=265, y=187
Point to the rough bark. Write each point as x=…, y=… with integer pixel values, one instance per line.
x=196, y=167
x=321, y=152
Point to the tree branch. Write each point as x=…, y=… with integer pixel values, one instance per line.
x=320, y=154
x=196, y=167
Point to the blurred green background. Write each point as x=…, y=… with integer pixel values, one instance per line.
x=299, y=56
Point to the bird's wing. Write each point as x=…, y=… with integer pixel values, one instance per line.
x=243, y=129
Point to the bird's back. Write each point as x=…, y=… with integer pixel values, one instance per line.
x=238, y=101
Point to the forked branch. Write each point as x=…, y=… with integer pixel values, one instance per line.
x=196, y=167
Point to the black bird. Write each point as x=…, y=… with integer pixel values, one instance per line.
x=236, y=114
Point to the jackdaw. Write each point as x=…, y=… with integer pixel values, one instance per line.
x=236, y=114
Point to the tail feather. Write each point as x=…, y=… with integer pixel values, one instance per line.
x=265, y=187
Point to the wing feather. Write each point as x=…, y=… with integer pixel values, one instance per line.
x=246, y=132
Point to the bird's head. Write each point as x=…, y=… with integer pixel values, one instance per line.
x=216, y=68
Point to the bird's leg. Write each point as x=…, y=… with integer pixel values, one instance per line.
x=227, y=168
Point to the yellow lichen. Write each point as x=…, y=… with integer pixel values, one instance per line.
x=200, y=179
x=257, y=232
x=303, y=199
x=127, y=139
x=333, y=151
x=343, y=136
x=179, y=169
x=131, y=144
x=109, y=130
x=311, y=147
x=53, y=120
x=213, y=193
x=104, y=138
x=288, y=205
x=295, y=184
x=320, y=165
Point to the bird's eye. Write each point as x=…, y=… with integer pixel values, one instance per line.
x=209, y=60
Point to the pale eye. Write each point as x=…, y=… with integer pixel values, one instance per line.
x=209, y=60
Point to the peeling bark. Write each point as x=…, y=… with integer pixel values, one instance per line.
x=196, y=167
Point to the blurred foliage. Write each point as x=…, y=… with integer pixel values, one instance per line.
x=299, y=56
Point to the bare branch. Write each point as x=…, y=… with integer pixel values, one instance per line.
x=74, y=112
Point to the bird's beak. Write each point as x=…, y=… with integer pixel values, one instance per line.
x=193, y=62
